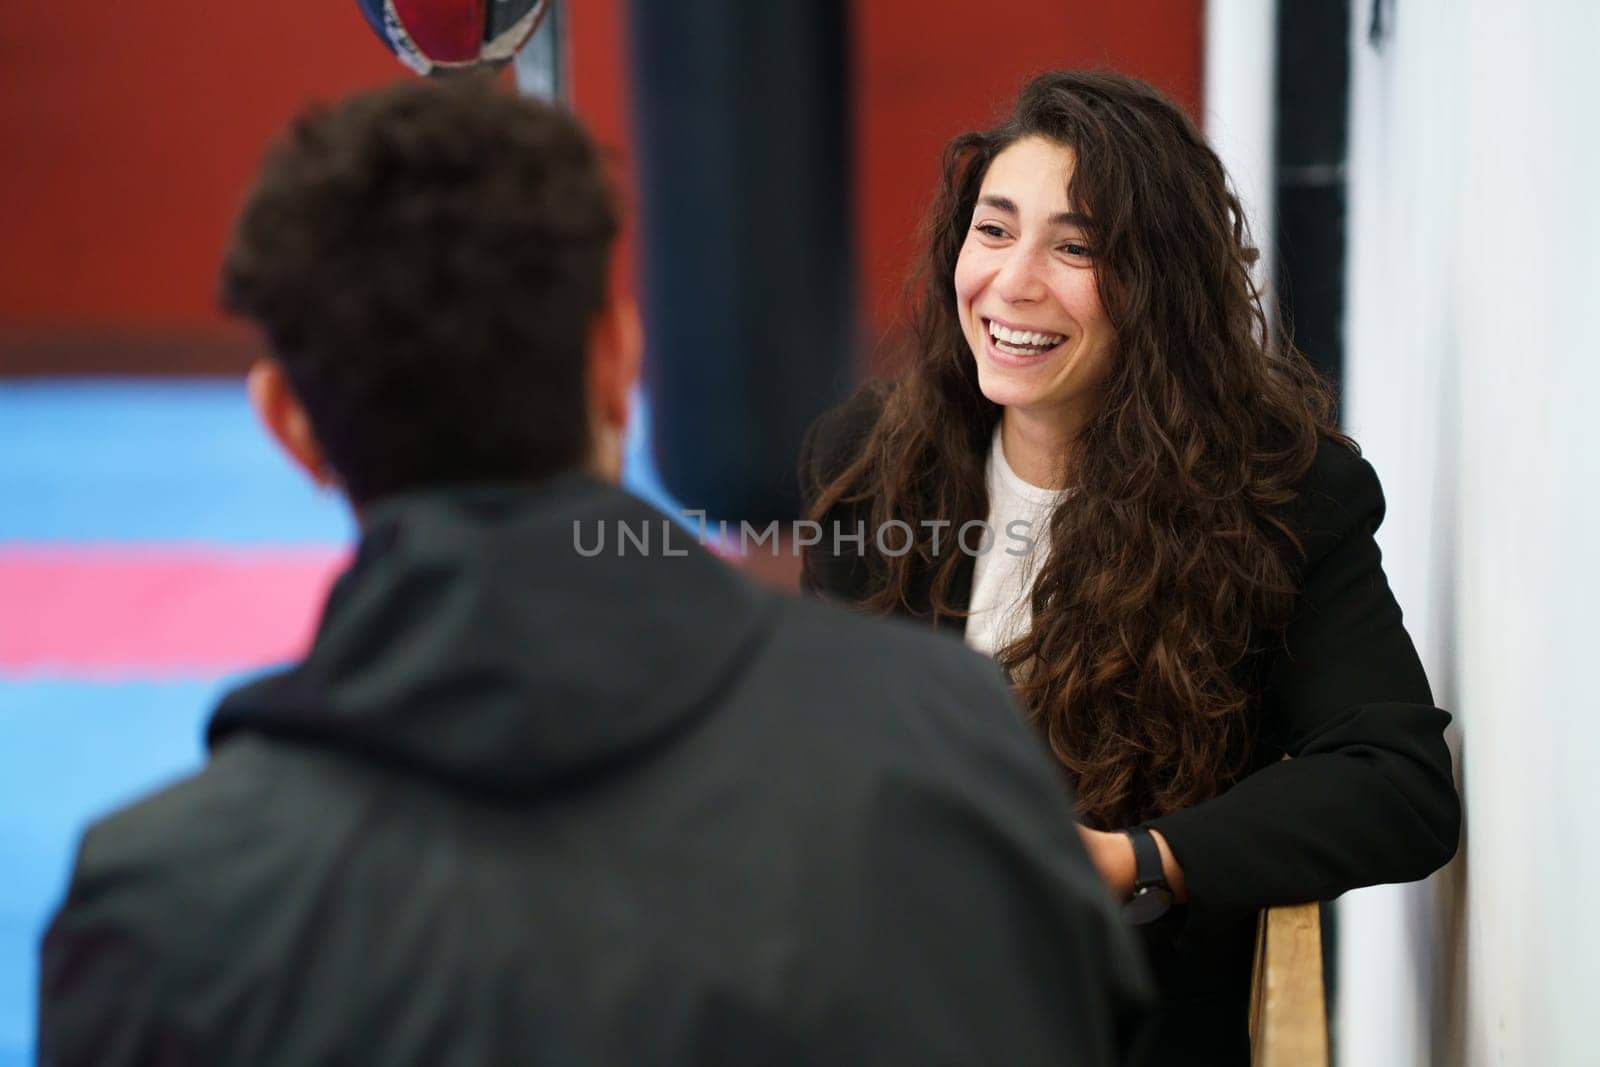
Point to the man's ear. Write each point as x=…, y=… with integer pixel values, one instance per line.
x=616, y=344
x=285, y=419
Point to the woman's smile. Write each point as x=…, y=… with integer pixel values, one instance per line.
x=1020, y=346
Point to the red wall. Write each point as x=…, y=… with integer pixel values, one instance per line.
x=597, y=55
x=135, y=128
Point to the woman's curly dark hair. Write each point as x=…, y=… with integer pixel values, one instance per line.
x=1173, y=561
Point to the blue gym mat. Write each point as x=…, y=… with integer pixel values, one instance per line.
x=116, y=463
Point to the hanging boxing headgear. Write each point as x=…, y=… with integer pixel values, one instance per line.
x=448, y=36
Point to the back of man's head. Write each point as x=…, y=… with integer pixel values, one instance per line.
x=426, y=262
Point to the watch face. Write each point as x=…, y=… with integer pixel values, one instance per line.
x=1147, y=905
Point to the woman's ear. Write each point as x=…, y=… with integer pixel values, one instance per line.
x=285, y=419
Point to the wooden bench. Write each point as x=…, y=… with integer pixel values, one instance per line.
x=1288, y=1005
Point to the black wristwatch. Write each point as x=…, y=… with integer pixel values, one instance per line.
x=1152, y=896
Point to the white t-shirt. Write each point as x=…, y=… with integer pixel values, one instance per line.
x=1018, y=547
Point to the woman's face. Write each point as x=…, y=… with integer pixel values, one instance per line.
x=1026, y=292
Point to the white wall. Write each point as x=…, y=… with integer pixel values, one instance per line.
x=1241, y=42
x=1473, y=383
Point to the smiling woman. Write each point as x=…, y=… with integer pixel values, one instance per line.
x=1029, y=305
x=1089, y=360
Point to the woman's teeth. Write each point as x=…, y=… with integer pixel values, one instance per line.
x=1023, y=342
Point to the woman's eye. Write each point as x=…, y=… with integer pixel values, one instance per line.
x=1076, y=251
x=989, y=229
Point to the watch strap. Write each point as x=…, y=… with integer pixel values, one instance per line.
x=1147, y=870
x=1152, y=896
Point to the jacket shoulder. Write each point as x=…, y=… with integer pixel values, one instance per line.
x=150, y=871
x=160, y=831
x=892, y=683
x=231, y=795
x=154, y=913
x=1338, y=497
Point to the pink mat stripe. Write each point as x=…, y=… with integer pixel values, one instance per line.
x=157, y=611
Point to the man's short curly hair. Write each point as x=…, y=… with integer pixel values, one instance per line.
x=425, y=261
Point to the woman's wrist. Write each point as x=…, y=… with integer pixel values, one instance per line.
x=1171, y=869
x=1111, y=852
x=1112, y=855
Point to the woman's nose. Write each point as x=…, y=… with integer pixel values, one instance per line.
x=1019, y=280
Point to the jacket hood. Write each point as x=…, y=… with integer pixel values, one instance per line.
x=473, y=641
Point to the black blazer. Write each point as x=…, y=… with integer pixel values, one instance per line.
x=1368, y=796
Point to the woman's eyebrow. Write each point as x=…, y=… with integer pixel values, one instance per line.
x=1062, y=218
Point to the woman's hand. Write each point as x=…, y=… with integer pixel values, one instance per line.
x=1112, y=855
